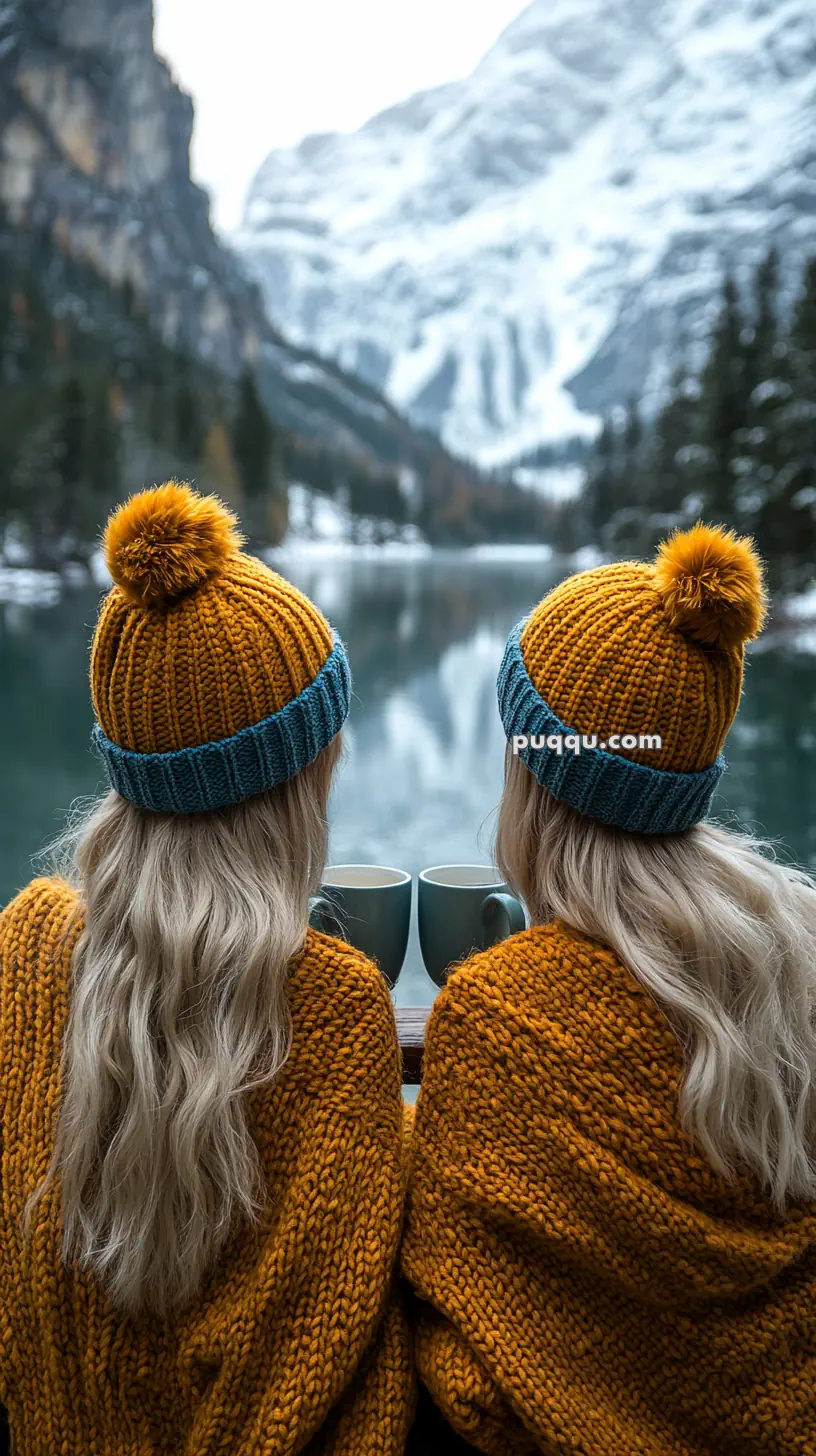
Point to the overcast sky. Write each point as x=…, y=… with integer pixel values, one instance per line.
x=264, y=73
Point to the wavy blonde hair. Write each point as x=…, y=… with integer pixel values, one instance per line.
x=722, y=937
x=178, y=1007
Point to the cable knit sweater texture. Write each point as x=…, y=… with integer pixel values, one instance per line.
x=299, y=1342
x=587, y=1283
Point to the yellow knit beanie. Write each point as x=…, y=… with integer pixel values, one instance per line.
x=212, y=677
x=632, y=650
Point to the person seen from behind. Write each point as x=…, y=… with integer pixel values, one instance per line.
x=611, y=1225
x=200, y=1112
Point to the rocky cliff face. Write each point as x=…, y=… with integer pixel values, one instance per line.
x=508, y=255
x=94, y=143
x=94, y=150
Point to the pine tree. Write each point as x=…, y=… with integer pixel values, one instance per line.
x=102, y=482
x=632, y=434
x=803, y=335
x=788, y=530
x=6, y=314
x=674, y=470
x=35, y=485
x=600, y=492
x=774, y=500
x=130, y=306
x=762, y=442
x=70, y=452
x=218, y=470
x=724, y=403
x=760, y=356
x=189, y=426
x=253, y=439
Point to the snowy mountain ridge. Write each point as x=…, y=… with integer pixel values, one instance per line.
x=508, y=255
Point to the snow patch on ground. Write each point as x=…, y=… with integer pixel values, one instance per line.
x=303, y=550
x=29, y=588
x=509, y=551
x=586, y=559
x=322, y=528
x=556, y=483
x=800, y=608
x=319, y=523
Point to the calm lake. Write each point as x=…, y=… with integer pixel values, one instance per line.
x=424, y=768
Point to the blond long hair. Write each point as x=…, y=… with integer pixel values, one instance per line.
x=178, y=1007
x=723, y=938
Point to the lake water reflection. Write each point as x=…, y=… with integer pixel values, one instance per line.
x=424, y=767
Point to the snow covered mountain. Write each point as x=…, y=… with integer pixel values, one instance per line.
x=507, y=255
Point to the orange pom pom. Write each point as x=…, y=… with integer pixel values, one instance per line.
x=711, y=582
x=165, y=541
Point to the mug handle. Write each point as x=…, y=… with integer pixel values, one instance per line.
x=502, y=915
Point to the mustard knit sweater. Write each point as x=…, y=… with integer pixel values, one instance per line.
x=299, y=1342
x=587, y=1283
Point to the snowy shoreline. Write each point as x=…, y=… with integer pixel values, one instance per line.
x=29, y=586
x=406, y=551
x=792, y=622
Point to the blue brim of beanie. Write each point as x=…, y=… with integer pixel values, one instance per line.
x=214, y=775
x=616, y=790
